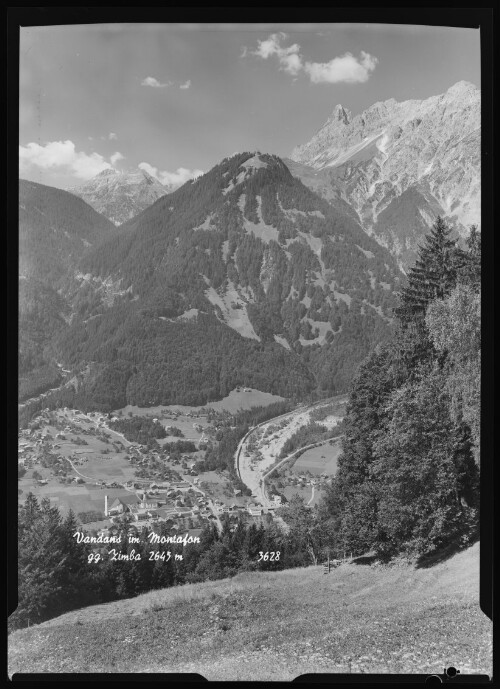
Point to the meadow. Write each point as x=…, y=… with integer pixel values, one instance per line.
x=233, y=402
x=79, y=498
x=319, y=460
x=360, y=618
x=305, y=493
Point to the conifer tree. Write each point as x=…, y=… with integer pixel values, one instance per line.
x=41, y=562
x=432, y=277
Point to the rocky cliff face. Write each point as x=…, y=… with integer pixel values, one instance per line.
x=398, y=165
x=121, y=195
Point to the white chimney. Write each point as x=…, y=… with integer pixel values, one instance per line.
x=105, y=505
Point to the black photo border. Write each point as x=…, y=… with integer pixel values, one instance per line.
x=480, y=18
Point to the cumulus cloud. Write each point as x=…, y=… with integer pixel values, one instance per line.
x=173, y=179
x=346, y=68
x=116, y=157
x=112, y=136
x=154, y=83
x=289, y=58
x=61, y=156
x=186, y=84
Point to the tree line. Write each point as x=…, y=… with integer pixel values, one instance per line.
x=408, y=477
x=58, y=574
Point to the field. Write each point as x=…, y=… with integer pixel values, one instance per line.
x=278, y=625
x=319, y=460
x=186, y=425
x=290, y=491
x=232, y=403
x=111, y=467
x=91, y=463
x=79, y=498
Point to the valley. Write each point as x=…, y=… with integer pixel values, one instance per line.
x=82, y=462
x=249, y=349
x=259, y=453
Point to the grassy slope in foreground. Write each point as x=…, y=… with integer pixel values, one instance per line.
x=277, y=625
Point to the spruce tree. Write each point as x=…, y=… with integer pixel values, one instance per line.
x=432, y=277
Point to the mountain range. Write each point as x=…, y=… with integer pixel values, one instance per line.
x=120, y=196
x=399, y=165
x=243, y=276
x=280, y=275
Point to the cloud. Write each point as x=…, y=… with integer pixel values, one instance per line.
x=116, y=157
x=153, y=171
x=172, y=179
x=186, y=84
x=346, y=68
x=289, y=58
x=61, y=156
x=151, y=81
x=112, y=136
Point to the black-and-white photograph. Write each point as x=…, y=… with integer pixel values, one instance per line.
x=249, y=329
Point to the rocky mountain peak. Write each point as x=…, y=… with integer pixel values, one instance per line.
x=108, y=172
x=340, y=114
x=121, y=195
x=429, y=148
x=463, y=87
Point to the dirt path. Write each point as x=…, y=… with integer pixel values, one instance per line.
x=79, y=472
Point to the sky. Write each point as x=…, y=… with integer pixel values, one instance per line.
x=176, y=99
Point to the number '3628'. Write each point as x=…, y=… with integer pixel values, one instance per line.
x=269, y=556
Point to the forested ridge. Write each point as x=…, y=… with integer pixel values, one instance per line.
x=55, y=230
x=283, y=262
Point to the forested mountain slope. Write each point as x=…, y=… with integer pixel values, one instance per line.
x=55, y=230
x=242, y=276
